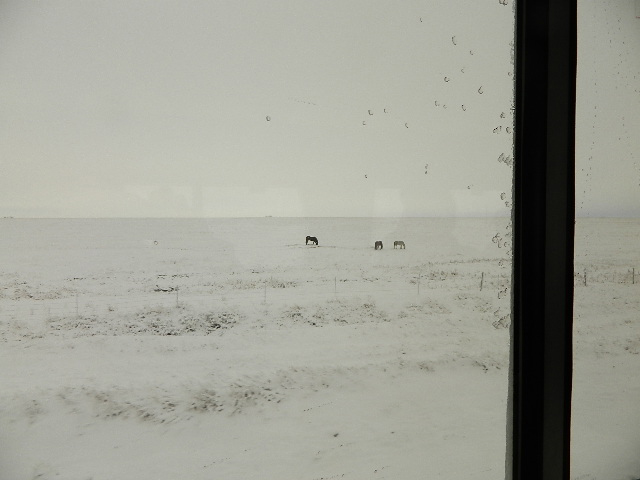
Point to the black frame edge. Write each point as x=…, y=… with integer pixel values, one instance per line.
x=544, y=217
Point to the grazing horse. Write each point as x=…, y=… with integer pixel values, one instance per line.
x=378, y=245
x=398, y=243
x=311, y=239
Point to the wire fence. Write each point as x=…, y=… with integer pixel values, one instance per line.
x=589, y=275
x=87, y=300
x=90, y=301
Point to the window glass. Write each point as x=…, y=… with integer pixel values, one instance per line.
x=249, y=239
x=606, y=386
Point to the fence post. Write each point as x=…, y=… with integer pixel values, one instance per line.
x=265, y=293
x=335, y=286
x=419, y=275
x=481, y=280
x=177, y=298
x=585, y=277
x=633, y=276
x=77, y=306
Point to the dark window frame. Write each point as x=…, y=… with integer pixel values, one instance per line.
x=538, y=445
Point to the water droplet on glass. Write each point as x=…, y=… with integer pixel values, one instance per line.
x=268, y=118
x=406, y=125
x=502, y=115
x=446, y=79
x=370, y=113
x=464, y=109
x=453, y=39
x=480, y=91
x=503, y=195
x=364, y=123
x=471, y=52
x=437, y=104
x=506, y=159
x=508, y=129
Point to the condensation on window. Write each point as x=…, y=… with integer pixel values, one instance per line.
x=605, y=413
x=312, y=280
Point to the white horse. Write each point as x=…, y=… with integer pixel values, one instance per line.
x=398, y=243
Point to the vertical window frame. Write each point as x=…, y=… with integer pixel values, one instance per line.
x=538, y=444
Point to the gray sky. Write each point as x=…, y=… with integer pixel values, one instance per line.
x=284, y=108
x=608, y=109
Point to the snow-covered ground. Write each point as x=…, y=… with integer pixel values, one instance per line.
x=229, y=349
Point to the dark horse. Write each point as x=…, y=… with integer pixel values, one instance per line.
x=311, y=239
x=378, y=245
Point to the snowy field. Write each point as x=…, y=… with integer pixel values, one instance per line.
x=229, y=349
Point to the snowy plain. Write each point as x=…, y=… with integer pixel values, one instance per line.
x=229, y=349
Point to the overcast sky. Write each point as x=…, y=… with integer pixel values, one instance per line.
x=283, y=108
x=608, y=108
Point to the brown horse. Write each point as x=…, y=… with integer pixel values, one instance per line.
x=378, y=245
x=311, y=239
x=398, y=243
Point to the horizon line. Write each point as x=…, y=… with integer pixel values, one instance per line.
x=12, y=217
